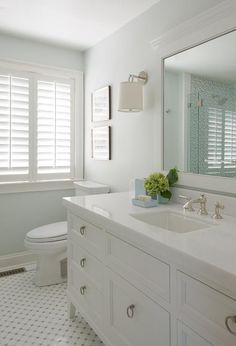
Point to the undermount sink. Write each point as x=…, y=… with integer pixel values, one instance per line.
x=172, y=221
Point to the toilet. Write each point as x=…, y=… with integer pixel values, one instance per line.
x=49, y=242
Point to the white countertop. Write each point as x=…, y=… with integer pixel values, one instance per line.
x=209, y=253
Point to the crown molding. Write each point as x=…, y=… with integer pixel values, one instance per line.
x=225, y=11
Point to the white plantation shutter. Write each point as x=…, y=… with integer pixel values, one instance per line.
x=14, y=127
x=230, y=142
x=54, y=128
x=215, y=137
x=221, y=142
x=37, y=124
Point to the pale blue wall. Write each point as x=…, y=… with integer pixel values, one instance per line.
x=136, y=138
x=23, y=211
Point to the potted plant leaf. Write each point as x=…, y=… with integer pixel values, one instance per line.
x=158, y=185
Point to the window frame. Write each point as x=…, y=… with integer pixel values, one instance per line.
x=34, y=181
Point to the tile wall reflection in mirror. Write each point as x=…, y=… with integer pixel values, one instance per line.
x=200, y=108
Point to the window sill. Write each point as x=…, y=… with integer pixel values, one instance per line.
x=25, y=186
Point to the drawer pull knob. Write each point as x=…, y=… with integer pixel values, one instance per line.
x=82, y=290
x=130, y=311
x=82, y=262
x=227, y=320
x=82, y=230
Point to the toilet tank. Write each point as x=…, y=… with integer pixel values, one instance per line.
x=86, y=187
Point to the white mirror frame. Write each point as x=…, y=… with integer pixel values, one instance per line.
x=208, y=25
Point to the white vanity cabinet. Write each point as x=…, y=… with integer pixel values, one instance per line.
x=132, y=298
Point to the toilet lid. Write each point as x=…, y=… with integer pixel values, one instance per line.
x=51, y=232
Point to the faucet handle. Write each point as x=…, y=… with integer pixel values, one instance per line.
x=188, y=204
x=203, y=201
x=218, y=207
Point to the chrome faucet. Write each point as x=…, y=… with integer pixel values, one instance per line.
x=201, y=200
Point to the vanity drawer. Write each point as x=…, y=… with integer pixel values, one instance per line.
x=134, y=319
x=88, y=297
x=206, y=306
x=87, y=264
x=145, y=271
x=89, y=236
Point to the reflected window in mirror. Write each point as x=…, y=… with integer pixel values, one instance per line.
x=200, y=108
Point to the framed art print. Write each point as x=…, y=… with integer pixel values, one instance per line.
x=101, y=143
x=101, y=104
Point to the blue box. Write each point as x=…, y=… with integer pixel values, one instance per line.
x=139, y=188
x=145, y=204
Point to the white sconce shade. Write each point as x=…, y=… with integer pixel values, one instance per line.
x=131, y=93
x=131, y=97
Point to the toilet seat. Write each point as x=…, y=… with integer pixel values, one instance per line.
x=53, y=232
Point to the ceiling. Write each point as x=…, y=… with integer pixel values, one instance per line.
x=214, y=60
x=76, y=23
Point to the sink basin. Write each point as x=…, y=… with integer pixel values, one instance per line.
x=172, y=221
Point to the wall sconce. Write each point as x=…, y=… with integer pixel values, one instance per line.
x=131, y=93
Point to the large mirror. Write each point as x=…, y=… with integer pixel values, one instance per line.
x=200, y=108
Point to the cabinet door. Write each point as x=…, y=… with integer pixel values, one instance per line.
x=205, y=310
x=146, y=272
x=188, y=337
x=134, y=319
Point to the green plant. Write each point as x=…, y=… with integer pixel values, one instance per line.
x=156, y=183
x=159, y=184
x=172, y=176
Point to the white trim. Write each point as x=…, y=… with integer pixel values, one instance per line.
x=16, y=260
x=79, y=127
x=210, y=24
x=40, y=68
x=223, y=12
x=25, y=186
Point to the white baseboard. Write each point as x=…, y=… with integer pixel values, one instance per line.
x=17, y=260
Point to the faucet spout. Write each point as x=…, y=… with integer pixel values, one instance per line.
x=201, y=200
x=189, y=205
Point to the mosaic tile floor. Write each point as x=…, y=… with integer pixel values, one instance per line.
x=35, y=316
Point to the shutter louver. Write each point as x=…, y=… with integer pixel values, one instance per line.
x=221, y=142
x=230, y=142
x=214, y=140
x=14, y=125
x=53, y=127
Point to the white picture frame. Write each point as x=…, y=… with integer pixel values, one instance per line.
x=101, y=143
x=101, y=104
